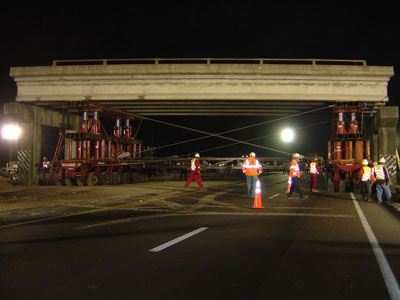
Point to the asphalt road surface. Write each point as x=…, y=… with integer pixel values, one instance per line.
x=176, y=243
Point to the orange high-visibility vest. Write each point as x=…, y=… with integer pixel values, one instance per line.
x=294, y=169
x=251, y=167
x=366, y=174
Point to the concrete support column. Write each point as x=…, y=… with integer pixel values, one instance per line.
x=31, y=118
x=24, y=152
x=385, y=126
x=36, y=145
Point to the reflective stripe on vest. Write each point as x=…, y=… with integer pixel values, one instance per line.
x=313, y=168
x=294, y=169
x=193, y=164
x=380, y=173
x=367, y=174
x=247, y=165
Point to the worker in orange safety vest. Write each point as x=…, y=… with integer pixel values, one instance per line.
x=365, y=177
x=251, y=167
x=294, y=178
x=195, y=171
x=314, y=172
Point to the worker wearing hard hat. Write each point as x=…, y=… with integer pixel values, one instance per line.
x=195, y=171
x=314, y=172
x=251, y=167
x=294, y=178
x=45, y=163
x=365, y=177
x=382, y=181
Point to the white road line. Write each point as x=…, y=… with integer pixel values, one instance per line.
x=387, y=273
x=273, y=196
x=177, y=240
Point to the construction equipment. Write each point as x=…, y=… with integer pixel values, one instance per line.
x=92, y=157
x=347, y=147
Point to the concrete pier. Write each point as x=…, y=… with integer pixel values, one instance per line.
x=385, y=137
x=31, y=118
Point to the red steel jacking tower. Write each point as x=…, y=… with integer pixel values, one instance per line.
x=347, y=147
x=94, y=157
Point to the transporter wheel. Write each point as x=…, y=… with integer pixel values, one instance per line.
x=92, y=179
x=105, y=178
x=135, y=177
x=116, y=178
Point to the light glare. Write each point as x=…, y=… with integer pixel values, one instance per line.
x=11, y=132
x=287, y=135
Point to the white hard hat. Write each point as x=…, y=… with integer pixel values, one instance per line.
x=382, y=160
x=197, y=155
x=295, y=155
x=364, y=162
x=252, y=154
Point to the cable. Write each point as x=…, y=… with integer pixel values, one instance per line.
x=241, y=128
x=224, y=146
x=209, y=134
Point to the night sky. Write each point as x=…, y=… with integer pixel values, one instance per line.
x=34, y=36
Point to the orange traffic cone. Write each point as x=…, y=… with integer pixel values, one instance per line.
x=289, y=184
x=257, y=197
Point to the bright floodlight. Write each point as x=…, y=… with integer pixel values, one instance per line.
x=287, y=135
x=11, y=132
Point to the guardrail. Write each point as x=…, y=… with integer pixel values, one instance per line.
x=209, y=61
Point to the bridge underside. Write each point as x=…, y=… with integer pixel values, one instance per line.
x=206, y=87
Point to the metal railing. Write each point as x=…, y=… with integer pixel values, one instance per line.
x=209, y=61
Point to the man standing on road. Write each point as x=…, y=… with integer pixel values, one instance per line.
x=195, y=171
x=251, y=168
x=365, y=177
x=314, y=172
x=382, y=181
x=294, y=178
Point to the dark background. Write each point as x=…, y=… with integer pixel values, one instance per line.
x=34, y=36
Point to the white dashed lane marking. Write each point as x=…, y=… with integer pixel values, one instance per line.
x=178, y=240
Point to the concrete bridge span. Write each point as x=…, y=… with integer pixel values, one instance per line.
x=198, y=87
x=205, y=86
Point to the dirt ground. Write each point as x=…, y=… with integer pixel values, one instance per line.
x=18, y=203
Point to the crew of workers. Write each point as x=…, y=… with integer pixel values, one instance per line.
x=376, y=175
